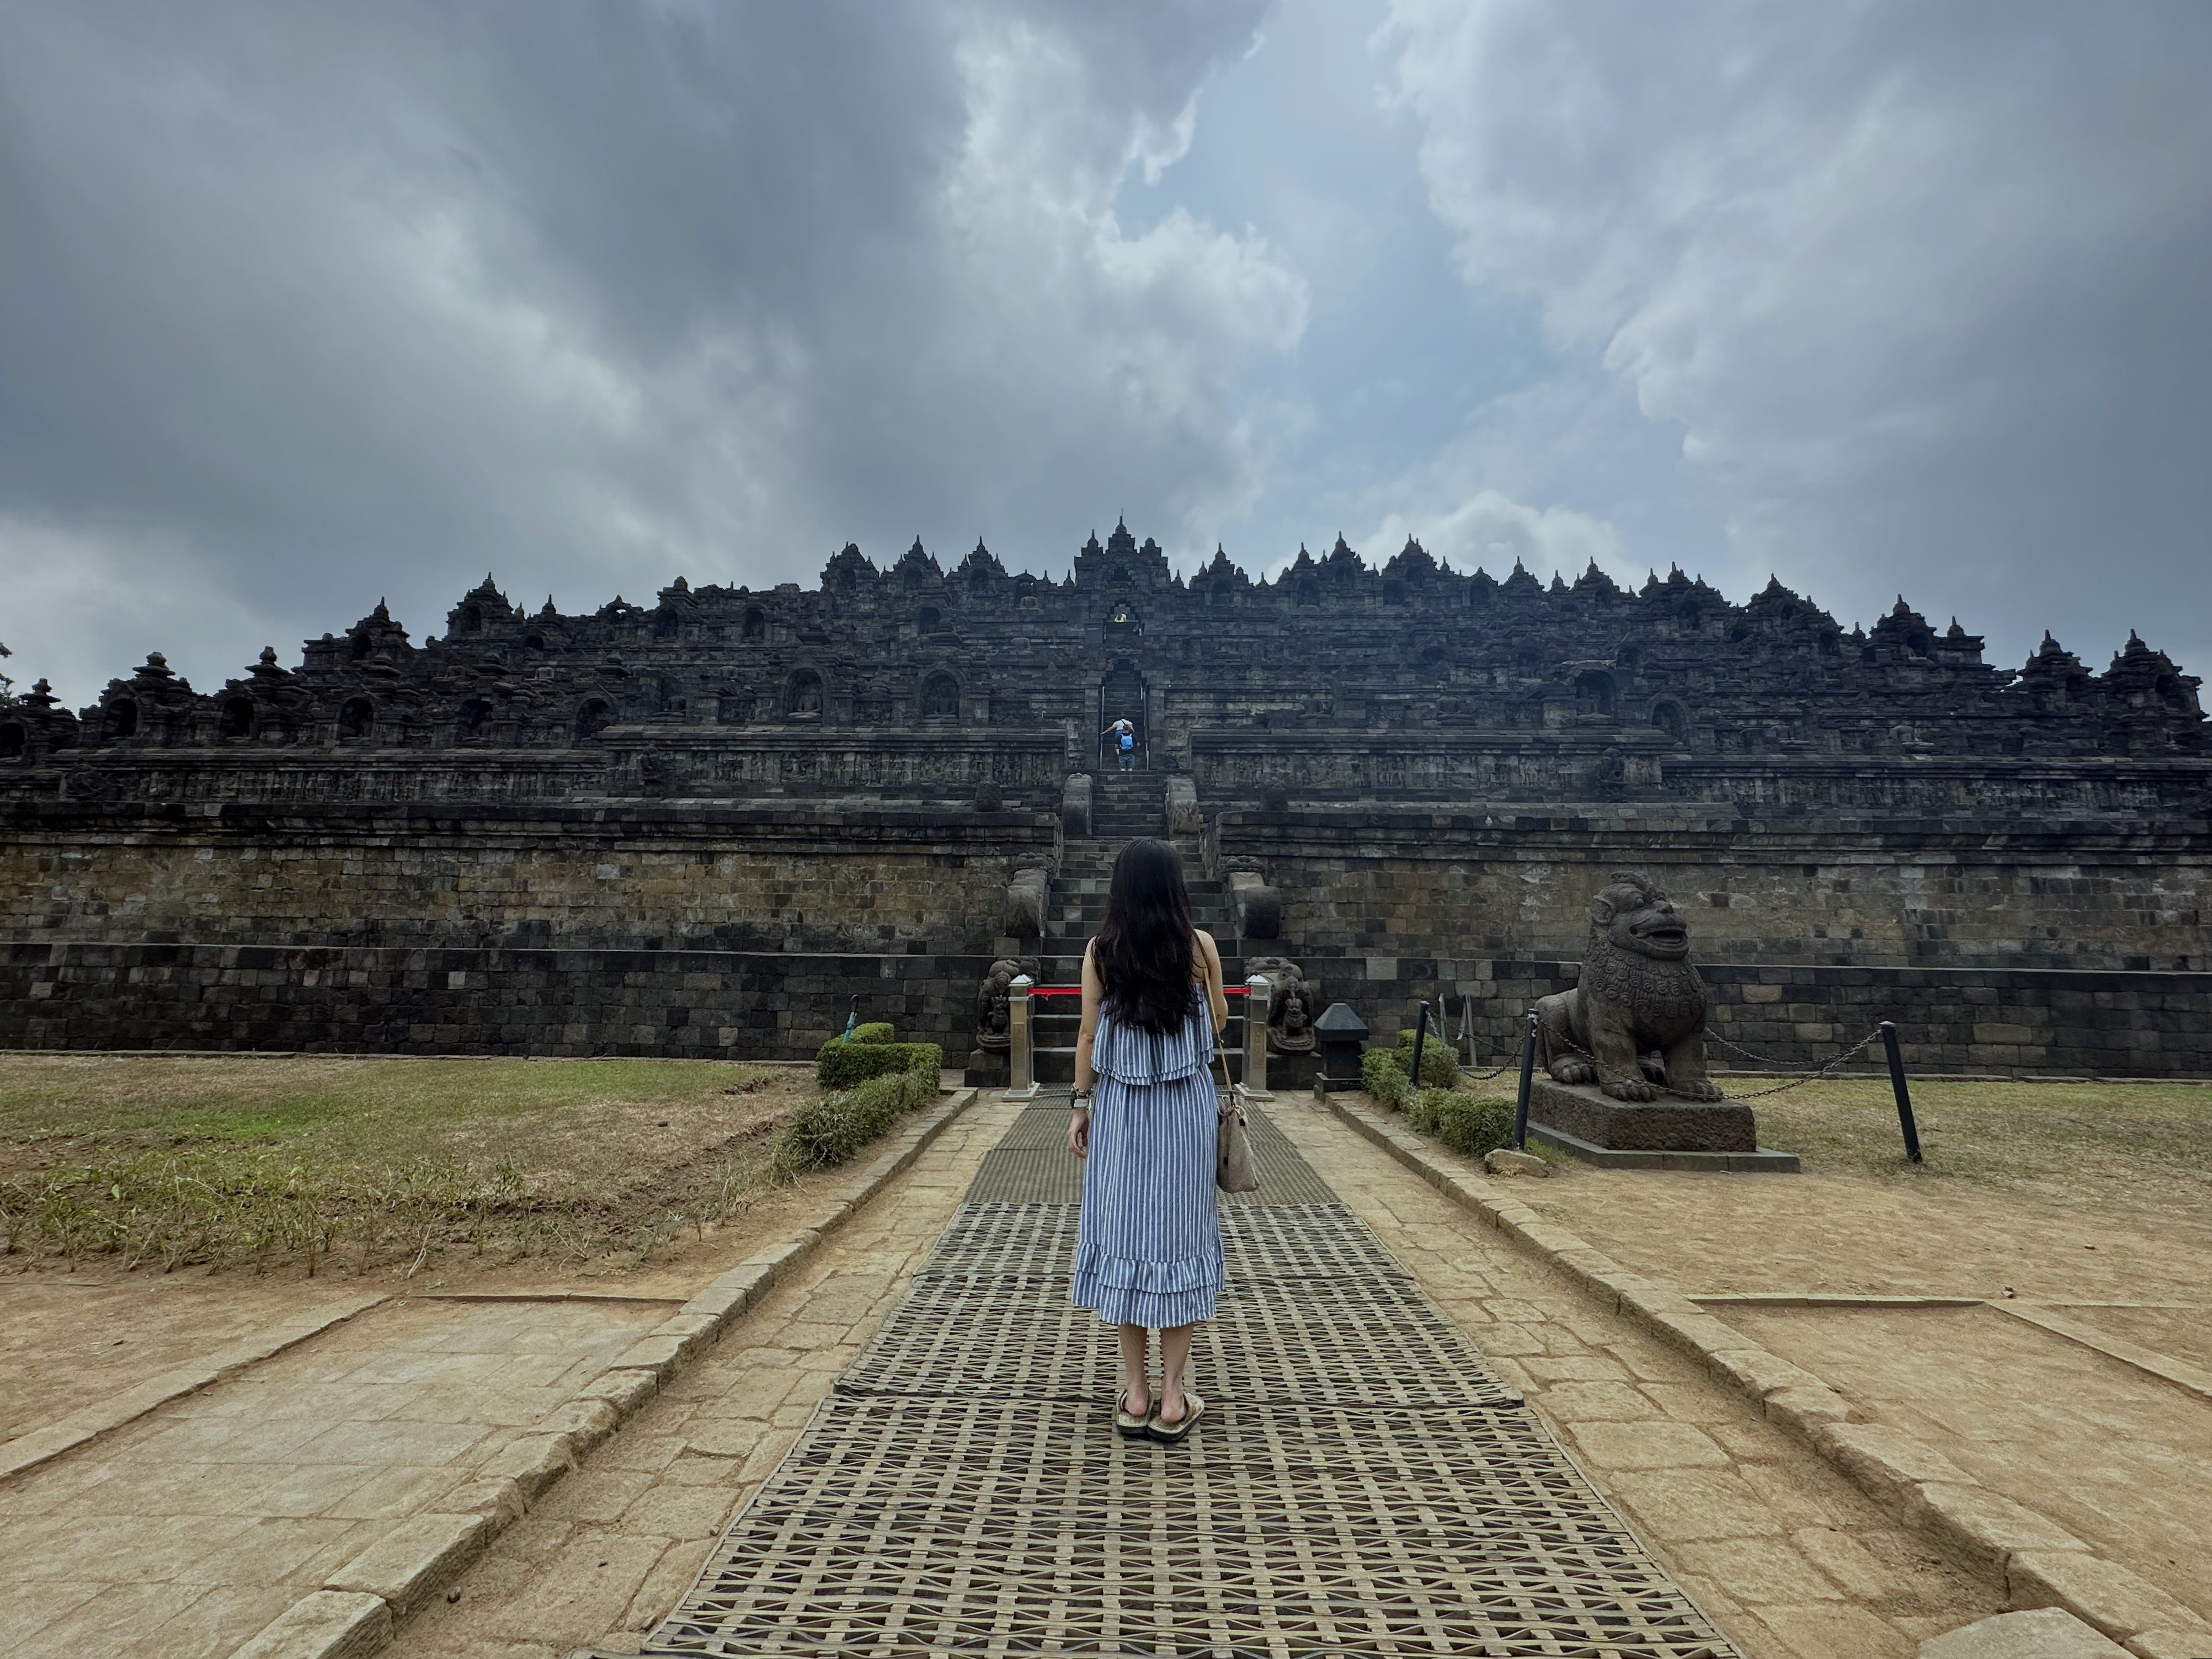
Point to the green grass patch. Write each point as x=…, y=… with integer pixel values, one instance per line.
x=340, y=1103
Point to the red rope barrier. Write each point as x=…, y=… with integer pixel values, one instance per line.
x=1077, y=990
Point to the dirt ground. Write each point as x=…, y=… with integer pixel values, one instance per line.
x=75, y=1333
x=2091, y=1201
x=73, y=1339
x=2049, y=1192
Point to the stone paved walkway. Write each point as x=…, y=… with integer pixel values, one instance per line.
x=182, y=1534
x=605, y=1556
x=1364, y=1483
x=1788, y=1560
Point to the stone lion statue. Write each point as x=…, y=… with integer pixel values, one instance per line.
x=1638, y=993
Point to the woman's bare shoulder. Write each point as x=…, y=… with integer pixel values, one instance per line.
x=1206, y=942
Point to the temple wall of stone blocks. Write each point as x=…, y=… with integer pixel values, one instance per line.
x=875, y=881
x=690, y=1003
x=2003, y=1022
x=671, y=1004
x=1893, y=892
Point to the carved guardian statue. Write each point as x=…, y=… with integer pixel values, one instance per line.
x=1638, y=996
x=992, y=997
x=1293, y=1004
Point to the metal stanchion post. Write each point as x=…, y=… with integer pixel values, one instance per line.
x=1903, y=1095
x=1021, y=1057
x=1420, y=1036
x=1255, y=1037
x=1528, y=1075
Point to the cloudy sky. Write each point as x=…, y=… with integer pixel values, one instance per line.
x=303, y=305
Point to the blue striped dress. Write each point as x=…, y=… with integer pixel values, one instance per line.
x=1149, y=1250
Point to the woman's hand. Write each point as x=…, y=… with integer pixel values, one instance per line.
x=1078, y=1132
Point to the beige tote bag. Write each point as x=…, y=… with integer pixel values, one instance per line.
x=1233, y=1169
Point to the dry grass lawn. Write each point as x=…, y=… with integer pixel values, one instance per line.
x=2070, y=1193
x=162, y=1162
x=2004, y=1132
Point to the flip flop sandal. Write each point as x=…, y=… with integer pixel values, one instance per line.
x=1131, y=1425
x=1174, y=1434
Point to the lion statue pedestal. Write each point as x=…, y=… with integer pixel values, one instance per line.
x=1625, y=1050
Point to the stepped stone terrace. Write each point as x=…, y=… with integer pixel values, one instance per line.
x=744, y=808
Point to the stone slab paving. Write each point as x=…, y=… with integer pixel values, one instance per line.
x=183, y=1533
x=2116, y=1456
x=71, y=1342
x=1782, y=1549
x=219, y=1512
x=1790, y=1558
x=603, y=1558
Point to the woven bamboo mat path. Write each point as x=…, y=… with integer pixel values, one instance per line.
x=1362, y=1483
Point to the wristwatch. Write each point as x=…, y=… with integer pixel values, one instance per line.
x=1079, y=1100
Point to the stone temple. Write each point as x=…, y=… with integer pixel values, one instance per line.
x=715, y=824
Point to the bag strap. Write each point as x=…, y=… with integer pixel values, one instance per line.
x=1227, y=1087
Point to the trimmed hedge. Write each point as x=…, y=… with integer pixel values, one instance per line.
x=1382, y=1074
x=1474, y=1124
x=831, y=1129
x=840, y=1065
x=875, y=1030
x=1438, y=1069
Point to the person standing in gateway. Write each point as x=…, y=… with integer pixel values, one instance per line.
x=1148, y=1254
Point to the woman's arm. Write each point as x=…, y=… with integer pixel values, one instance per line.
x=1094, y=991
x=1209, y=957
x=1078, y=1121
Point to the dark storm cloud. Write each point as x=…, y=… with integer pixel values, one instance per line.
x=308, y=305
x=302, y=305
x=1921, y=286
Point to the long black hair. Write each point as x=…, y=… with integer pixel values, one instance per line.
x=1145, y=950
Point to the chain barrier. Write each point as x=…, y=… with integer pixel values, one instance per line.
x=1842, y=1060
x=1765, y=1059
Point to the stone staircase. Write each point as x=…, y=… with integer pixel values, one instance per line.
x=1123, y=806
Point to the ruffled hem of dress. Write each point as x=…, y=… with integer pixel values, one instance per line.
x=1125, y=1272
x=1154, y=1309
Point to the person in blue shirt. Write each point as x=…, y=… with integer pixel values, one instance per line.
x=1124, y=734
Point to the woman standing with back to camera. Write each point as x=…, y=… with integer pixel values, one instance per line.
x=1149, y=1254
